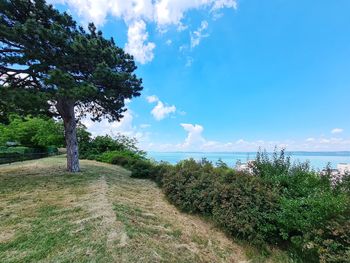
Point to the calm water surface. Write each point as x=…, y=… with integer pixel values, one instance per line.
x=318, y=160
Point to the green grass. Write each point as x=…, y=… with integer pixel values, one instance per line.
x=100, y=215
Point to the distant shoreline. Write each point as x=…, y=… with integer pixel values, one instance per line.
x=311, y=153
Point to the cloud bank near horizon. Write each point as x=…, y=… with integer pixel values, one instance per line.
x=194, y=140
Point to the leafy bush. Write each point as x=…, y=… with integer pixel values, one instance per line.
x=139, y=166
x=91, y=148
x=280, y=203
x=308, y=203
x=32, y=132
x=189, y=186
x=245, y=206
x=329, y=242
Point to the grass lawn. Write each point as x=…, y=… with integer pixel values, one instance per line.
x=98, y=215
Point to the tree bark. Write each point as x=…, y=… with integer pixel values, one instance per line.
x=66, y=110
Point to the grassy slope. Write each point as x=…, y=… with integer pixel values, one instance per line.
x=99, y=215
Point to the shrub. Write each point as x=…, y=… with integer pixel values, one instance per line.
x=308, y=203
x=142, y=168
x=139, y=166
x=32, y=132
x=297, y=216
x=279, y=203
x=90, y=148
x=190, y=186
x=245, y=207
x=160, y=171
x=327, y=243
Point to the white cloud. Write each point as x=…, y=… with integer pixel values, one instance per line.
x=160, y=111
x=136, y=13
x=169, y=42
x=171, y=12
x=152, y=99
x=137, y=46
x=124, y=126
x=181, y=27
x=199, y=34
x=337, y=130
x=194, y=139
x=224, y=3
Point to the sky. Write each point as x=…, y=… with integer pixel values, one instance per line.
x=230, y=75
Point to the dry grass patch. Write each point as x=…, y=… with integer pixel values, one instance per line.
x=98, y=215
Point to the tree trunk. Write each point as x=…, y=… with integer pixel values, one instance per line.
x=66, y=110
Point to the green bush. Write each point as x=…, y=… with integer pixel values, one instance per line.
x=245, y=206
x=280, y=203
x=189, y=186
x=142, y=168
x=308, y=203
x=32, y=132
x=329, y=242
x=91, y=148
x=52, y=150
x=139, y=166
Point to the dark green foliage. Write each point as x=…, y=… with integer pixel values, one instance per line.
x=32, y=132
x=19, y=150
x=241, y=204
x=306, y=199
x=329, y=242
x=139, y=166
x=189, y=185
x=344, y=184
x=309, y=206
x=120, y=150
x=245, y=206
x=280, y=204
x=91, y=148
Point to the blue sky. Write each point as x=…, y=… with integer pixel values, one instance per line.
x=225, y=75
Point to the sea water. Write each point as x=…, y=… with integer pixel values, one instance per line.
x=317, y=160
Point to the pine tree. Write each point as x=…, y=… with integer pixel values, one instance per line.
x=49, y=65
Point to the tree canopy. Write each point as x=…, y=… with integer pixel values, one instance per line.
x=62, y=68
x=32, y=132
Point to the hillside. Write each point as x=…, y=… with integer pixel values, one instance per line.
x=98, y=215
